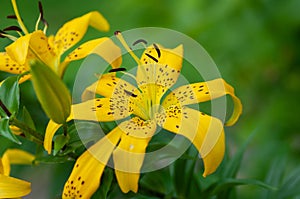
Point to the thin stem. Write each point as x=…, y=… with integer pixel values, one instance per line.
x=37, y=136
x=18, y=17
x=7, y=112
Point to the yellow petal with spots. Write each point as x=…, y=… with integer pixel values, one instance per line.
x=12, y=187
x=17, y=156
x=108, y=86
x=205, y=91
x=129, y=155
x=85, y=177
x=73, y=31
x=104, y=47
x=160, y=66
x=7, y=64
x=101, y=109
x=204, y=131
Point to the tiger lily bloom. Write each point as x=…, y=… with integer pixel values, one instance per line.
x=49, y=50
x=143, y=109
x=12, y=187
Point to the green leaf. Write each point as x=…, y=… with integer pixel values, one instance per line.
x=59, y=142
x=230, y=182
x=232, y=167
x=106, y=180
x=51, y=92
x=10, y=94
x=160, y=178
x=28, y=119
x=291, y=184
x=6, y=132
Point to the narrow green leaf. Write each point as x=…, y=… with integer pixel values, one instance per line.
x=233, y=165
x=6, y=132
x=51, y=92
x=291, y=184
x=230, y=182
x=160, y=178
x=10, y=94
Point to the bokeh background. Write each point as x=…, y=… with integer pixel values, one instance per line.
x=255, y=44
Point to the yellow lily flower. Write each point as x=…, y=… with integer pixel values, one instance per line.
x=37, y=45
x=12, y=187
x=158, y=70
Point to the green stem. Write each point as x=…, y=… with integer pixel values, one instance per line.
x=38, y=138
x=4, y=108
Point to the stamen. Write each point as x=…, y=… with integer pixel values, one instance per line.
x=18, y=17
x=130, y=93
x=157, y=50
x=5, y=35
x=11, y=17
x=139, y=41
x=2, y=36
x=41, y=18
x=150, y=56
x=14, y=28
x=41, y=10
x=117, y=69
x=123, y=42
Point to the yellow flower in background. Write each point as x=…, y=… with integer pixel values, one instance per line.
x=145, y=110
x=12, y=187
x=37, y=45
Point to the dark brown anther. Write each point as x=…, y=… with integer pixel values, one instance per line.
x=117, y=69
x=157, y=50
x=13, y=28
x=117, y=32
x=139, y=41
x=11, y=17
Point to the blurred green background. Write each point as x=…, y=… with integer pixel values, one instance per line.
x=255, y=44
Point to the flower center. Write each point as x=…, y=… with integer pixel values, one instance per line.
x=146, y=101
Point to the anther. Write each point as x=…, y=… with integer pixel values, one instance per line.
x=139, y=41
x=117, y=69
x=150, y=56
x=157, y=50
x=11, y=17
x=130, y=93
x=14, y=28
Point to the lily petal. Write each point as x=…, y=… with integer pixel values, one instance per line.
x=85, y=177
x=17, y=156
x=18, y=50
x=30, y=46
x=107, y=85
x=12, y=187
x=160, y=66
x=100, y=109
x=7, y=64
x=129, y=155
x=73, y=31
x=4, y=165
x=104, y=47
x=51, y=129
x=204, y=131
x=205, y=91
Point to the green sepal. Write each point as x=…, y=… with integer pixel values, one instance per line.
x=6, y=132
x=10, y=95
x=59, y=142
x=51, y=92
